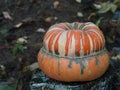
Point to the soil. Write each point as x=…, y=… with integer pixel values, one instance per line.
x=27, y=16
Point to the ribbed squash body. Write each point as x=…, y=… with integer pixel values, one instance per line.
x=73, y=52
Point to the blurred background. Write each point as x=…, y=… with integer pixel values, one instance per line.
x=23, y=24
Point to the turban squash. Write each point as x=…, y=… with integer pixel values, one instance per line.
x=73, y=52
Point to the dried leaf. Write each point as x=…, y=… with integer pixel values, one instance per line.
x=31, y=67
x=79, y=14
x=55, y=4
x=28, y=19
x=91, y=14
x=18, y=25
x=2, y=67
x=78, y=1
x=40, y=30
x=21, y=40
x=48, y=19
x=34, y=66
x=97, y=6
x=7, y=15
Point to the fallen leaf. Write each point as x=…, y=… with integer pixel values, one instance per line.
x=78, y=1
x=97, y=6
x=40, y=30
x=79, y=14
x=91, y=14
x=31, y=67
x=7, y=15
x=34, y=66
x=117, y=57
x=55, y=4
x=18, y=25
x=48, y=19
x=21, y=40
x=2, y=67
x=28, y=19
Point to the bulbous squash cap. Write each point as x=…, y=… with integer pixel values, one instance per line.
x=73, y=39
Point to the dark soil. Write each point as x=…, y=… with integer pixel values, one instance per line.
x=35, y=14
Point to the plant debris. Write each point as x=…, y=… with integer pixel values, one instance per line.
x=23, y=24
x=7, y=15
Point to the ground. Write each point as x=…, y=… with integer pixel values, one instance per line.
x=30, y=19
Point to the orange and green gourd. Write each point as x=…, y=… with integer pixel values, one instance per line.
x=73, y=52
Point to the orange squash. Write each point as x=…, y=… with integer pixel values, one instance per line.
x=73, y=52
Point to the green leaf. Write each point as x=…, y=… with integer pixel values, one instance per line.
x=113, y=8
x=10, y=87
x=15, y=50
x=21, y=48
x=117, y=57
x=4, y=31
x=105, y=7
x=18, y=47
x=109, y=39
x=19, y=43
x=98, y=21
